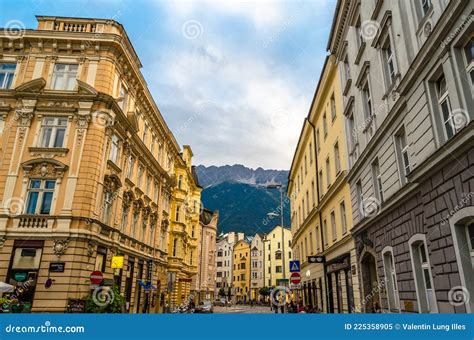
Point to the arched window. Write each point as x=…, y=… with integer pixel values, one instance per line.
x=422, y=273
x=391, y=279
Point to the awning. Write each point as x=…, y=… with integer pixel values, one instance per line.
x=6, y=288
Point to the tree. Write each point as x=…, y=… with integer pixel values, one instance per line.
x=264, y=291
x=222, y=292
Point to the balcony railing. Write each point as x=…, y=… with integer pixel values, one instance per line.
x=36, y=222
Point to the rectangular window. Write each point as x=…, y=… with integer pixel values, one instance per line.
x=360, y=199
x=325, y=125
x=347, y=69
x=367, y=100
x=108, y=198
x=328, y=173
x=7, y=72
x=318, y=141
x=155, y=193
x=337, y=159
x=139, y=176
x=377, y=177
x=310, y=150
x=325, y=232
x=53, y=131
x=313, y=195
x=402, y=154
x=145, y=133
x=320, y=183
x=123, y=223
x=114, y=149
x=64, y=77
x=177, y=214
x=444, y=105
x=425, y=6
x=40, y=196
x=147, y=185
x=333, y=225
x=352, y=131
x=123, y=97
x=307, y=202
x=333, y=107
x=469, y=56
x=136, y=216
x=317, y=240
x=131, y=164
x=342, y=208
x=389, y=61
x=359, y=34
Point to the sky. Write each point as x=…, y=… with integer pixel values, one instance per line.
x=233, y=79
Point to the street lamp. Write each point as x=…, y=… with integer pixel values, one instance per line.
x=273, y=214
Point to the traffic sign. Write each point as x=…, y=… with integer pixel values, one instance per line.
x=316, y=259
x=294, y=266
x=96, y=277
x=295, y=278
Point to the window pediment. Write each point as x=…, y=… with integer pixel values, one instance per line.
x=35, y=85
x=44, y=168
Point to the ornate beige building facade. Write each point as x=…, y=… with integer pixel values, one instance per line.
x=87, y=168
x=184, y=241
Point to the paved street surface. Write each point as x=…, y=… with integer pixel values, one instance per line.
x=242, y=309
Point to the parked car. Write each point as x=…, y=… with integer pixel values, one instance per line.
x=204, y=307
x=220, y=302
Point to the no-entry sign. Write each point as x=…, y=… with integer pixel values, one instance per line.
x=96, y=277
x=295, y=278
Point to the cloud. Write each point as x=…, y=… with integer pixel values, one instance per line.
x=238, y=88
x=260, y=13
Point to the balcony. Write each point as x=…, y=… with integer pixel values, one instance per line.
x=34, y=222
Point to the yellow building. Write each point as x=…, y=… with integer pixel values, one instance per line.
x=277, y=256
x=321, y=215
x=183, y=254
x=86, y=167
x=241, y=270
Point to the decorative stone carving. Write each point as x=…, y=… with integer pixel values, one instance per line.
x=127, y=199
x=112, y=183
x=137, y=205
x=24, y=115
x=2, y=241
x=60, y=247
x=44, y=168
x=427, y=29
x=82, y=120
x=90, y=249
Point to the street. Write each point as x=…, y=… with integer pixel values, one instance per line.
x=242, y=309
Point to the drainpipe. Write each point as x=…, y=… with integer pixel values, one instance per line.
x=319, y=213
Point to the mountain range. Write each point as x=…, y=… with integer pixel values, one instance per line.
x=241, y=196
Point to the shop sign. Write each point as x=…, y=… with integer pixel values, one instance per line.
x=316, y=259
x=339, y=265
x=76, y=306
x=57, y=267
x=117, y=262
x=20, y=276
x=108, y=282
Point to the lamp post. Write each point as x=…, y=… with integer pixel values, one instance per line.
x=272, y=214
